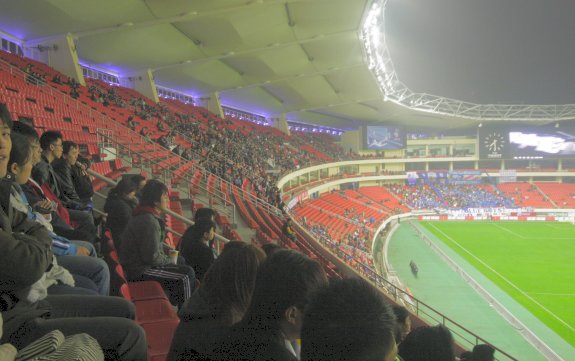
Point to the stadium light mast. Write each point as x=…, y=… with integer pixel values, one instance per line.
x=372, y=34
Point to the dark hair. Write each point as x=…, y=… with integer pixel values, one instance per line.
x=284, y=280
x=48, y=138
x=136, y=179
x=483, y=352
x=68, y=145
x=428, y=344
x=198, y=230
x=204, y=213
x=271, y=248
x=152, y=193
x=401, y=314
x=26, y=130
x=348, y=320
x=204, y=226
x=229, y=283
x=5, y=116
x=124, y=187
x=21, y=150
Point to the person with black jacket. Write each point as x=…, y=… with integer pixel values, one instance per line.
x=65, y=168
x=195, y=247
x=119, y=206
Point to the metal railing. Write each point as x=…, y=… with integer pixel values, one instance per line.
x=179, y=217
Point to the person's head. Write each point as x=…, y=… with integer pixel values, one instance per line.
x=5, y=139
x=483, y=352
x=32, y=136
x=21, y=156
x=403, y=322
x=229, y=282
x=155, y=194
x=466, y=356
x=271, y=248
x=70, y=152
x=428, y=344
x=283, y=286
x=51, y=144
x=348, y=320
x=124, y=188
x=204, y=213
x=204, y=231
x=139, y=181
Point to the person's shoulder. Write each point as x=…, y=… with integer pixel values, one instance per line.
x=146, y=220
x=59, y=164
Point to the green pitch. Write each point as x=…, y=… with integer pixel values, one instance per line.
x=534, y=262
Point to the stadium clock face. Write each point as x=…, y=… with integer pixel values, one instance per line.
x=494, y=143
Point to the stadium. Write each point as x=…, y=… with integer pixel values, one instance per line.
x=426, y=148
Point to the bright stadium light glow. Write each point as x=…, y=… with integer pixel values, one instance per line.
x=379, y=62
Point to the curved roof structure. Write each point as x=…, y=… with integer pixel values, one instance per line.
x=304, y=58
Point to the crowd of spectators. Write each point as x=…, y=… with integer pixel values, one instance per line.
x=420, y=196
x=454, y=196
x=106, y=97
x=471, y=196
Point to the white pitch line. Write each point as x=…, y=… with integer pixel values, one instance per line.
x=508, y=230
x=552, y=294
x=505, y=279
x=551, y=226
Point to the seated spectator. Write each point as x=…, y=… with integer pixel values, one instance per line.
x=403, y=322
x=57, y=79
x=80, y=177
x=131, y=122
x=288, y=230
x=220, y=302
x=274, y=317
x=69, y=254
x=119, y=206
x=428, y=344
x=25, y=256
x=195, y=247
x=348, y=321
x=201, y=214
x=65, y=167
x=140, y=181
x=483, y=352
x=143, y=251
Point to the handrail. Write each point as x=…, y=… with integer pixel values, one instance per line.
x=167, y=211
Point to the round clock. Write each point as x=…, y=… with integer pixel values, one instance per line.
x=494, y=142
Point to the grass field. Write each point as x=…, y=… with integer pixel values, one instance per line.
x=534, y=262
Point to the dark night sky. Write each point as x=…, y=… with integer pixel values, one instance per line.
x=485, y=51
